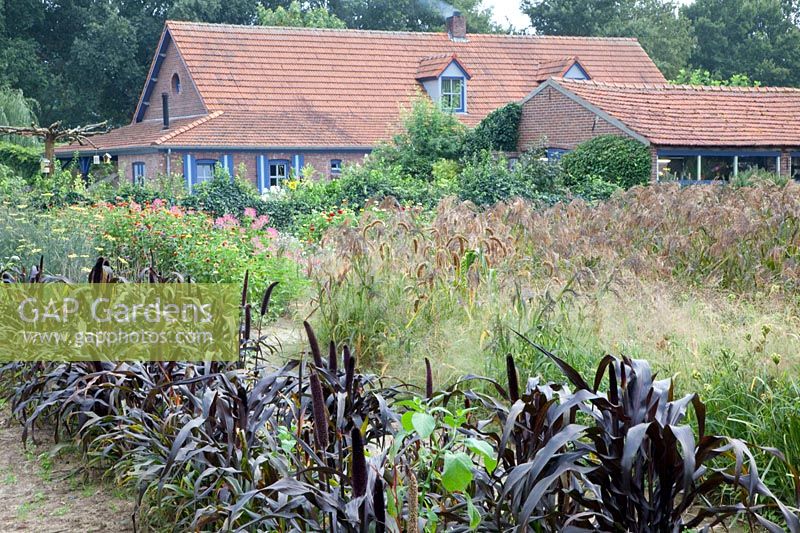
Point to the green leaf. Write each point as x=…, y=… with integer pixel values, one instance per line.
x=485, y=450
x=457, y=472
x=474, y=515
x=405, y=420
x=423, y=423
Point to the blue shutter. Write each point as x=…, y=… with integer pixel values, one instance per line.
x=227, y=164
x=188, y=171
x=260, y=173
x=300, y=164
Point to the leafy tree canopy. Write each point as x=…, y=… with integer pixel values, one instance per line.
x=296, y=16
x=662, y=30
x=699, y=76
x=756, y=37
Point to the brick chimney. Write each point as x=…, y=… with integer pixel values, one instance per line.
x=457, y=26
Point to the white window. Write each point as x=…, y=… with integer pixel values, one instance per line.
x=453, y=94
x=205, y=171
x=278, y=171
x=336, y=166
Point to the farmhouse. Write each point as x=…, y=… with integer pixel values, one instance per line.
x=694, y=133
x=273, y=100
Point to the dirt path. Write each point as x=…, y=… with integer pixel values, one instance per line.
x=37, y=494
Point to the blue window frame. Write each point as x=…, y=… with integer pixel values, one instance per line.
x=138, y=172
x=336, y=166
x=453, y=94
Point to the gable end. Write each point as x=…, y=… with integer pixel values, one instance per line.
x=169, y=75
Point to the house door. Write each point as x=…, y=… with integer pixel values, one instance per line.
x=278, y=171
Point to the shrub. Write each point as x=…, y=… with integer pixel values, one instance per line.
x=224, y=196
x=499, y=131
x=11, y=183
x=192, y=243
x=23, y=160
x=301, y=198
x=486, y=180
x=610, y=158
x=429, y=134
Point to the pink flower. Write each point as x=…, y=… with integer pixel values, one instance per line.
x=272, y=232
x=249, y=212
x=258, y=246
x=260, y=222
x=175, y=210
x=226, y=222
x=158, y=203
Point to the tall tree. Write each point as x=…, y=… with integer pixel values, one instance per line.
x=296, y=16
x=664, y=33
x=754, y=37
x=411, y=15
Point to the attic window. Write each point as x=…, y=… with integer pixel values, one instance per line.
x=453, y=94
x=176, y=83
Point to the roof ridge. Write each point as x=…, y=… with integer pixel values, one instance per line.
x=288, y=29
x=191, y=125
x=678, y=87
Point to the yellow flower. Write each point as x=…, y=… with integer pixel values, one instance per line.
x=72, y=256
x=122, y=260
x=292, y=184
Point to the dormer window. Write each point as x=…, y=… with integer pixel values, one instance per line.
x=567, y=67
x=445, y=78
x=453, y=94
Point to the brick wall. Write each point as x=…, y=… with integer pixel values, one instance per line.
x=183, y=104
x=155, y=163
x=560, y=120
x=786, y=163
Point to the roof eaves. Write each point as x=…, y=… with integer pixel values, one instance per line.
x=150, y=74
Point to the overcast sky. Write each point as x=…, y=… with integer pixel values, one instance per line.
x=508, y=10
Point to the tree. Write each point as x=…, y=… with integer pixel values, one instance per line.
x=703, y=77
x=296, y=16
x=753, y=37
x=56, y=133
x=411, y=15
x=16, y=110
x=663, y=32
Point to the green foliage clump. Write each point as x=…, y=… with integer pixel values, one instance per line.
x=296, y=16
x=17, y=110
x=224, y=196
x=700, y=76
x=429, y=134
x=612, y=159
x=210, y=250
x=23, y=160
x=487, y=178
x=498, y=131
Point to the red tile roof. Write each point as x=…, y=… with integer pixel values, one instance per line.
x=338, y=79
x=683, y=115
x=432, y=67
